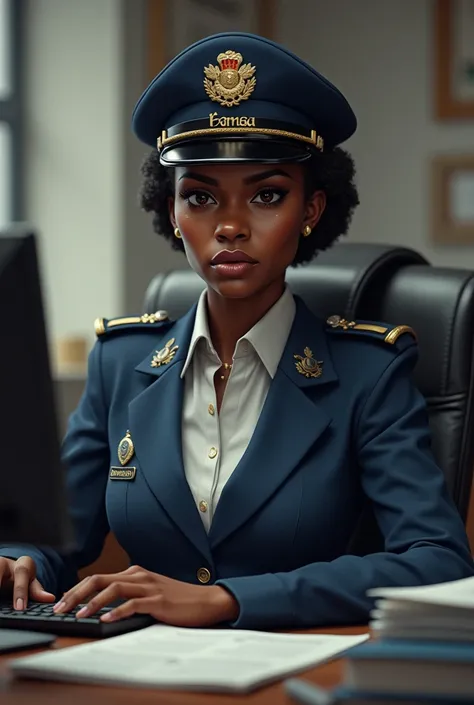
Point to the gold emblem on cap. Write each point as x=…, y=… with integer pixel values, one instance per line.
x=231, y=83
x=126, y=449
x=308, y=366
x=165, y=355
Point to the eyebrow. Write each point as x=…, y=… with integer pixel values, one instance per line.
x=249, y=180
x=266, y=175
x=199, y=177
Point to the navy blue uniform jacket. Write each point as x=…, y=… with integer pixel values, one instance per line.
x=281, y=529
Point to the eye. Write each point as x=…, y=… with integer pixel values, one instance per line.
x=269, y=196
x=197, y=198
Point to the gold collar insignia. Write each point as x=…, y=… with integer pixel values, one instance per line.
x=165, y=355
x=308, y=366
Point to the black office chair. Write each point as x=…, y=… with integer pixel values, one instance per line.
x=395, y=285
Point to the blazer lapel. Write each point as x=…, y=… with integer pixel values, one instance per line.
x=289, y=425
x=155, y=426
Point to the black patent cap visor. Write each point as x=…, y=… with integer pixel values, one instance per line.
x=230, y=150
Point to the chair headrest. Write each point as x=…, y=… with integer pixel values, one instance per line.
x=438, y=303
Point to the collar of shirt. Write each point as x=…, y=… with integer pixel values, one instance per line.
x=268, y=336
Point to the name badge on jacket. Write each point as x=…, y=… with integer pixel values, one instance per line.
x=117, y=473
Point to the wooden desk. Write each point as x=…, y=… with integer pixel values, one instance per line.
x=24, y=692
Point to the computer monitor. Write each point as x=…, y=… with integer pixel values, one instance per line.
x=32, y=493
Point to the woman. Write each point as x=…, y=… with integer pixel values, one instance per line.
x=230, y=451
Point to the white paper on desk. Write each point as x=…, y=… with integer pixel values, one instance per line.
x=457, y=593
x=192, y=659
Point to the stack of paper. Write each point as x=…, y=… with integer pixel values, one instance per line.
x=442, y=612
x=423, y=650
x=197, y=659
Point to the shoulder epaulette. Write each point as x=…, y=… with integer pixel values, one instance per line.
x=104, y=325
x=385, y=333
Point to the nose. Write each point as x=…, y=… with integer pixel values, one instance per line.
x=231, y=230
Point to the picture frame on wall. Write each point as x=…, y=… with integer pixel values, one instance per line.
x=175, y=24
x=454, y=59
x=452, y=199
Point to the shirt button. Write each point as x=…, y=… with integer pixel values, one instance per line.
x=203, y=575
x=211, y=409
x=203, y=505
x=212, y=453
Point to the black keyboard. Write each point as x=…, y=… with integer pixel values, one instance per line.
x=39, y=617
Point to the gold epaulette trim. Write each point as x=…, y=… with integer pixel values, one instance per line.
x=391, y=335
x=102, y=325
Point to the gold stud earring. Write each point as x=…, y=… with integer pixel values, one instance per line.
x=177, y=233
x=307, y=230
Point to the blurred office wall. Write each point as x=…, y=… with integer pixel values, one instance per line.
x=380, y=53
x=87, y=65
x=75, y=159
x=85, y=68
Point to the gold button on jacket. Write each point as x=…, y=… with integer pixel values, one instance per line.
x=203, y=575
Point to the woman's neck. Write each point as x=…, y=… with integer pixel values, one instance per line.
x=229, y=319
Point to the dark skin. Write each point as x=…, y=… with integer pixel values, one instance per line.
x=260, y=210
x=256, y=208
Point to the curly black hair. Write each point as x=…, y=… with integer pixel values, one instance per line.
x=332, y=172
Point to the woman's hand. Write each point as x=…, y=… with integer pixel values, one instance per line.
x=19, y=577
x=167, y=600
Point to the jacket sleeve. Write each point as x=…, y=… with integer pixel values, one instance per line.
x=425, y=540
x=86, y=456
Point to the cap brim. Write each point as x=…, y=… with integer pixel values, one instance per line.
x=235, y=151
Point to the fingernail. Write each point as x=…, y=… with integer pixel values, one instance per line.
x=59, y=607
x=19, y=604
x=83, y=612
x=107, y=617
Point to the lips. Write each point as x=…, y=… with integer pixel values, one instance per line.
x=232, y=257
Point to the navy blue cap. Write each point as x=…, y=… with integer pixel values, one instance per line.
x=238, y=97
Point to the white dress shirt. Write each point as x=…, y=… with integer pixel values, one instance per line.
x=213, y=443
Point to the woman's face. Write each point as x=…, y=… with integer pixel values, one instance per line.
x=241, y=224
